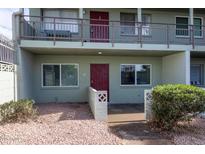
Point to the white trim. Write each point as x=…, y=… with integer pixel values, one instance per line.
x=60, y=86
x=187, y=36
x=136, y=85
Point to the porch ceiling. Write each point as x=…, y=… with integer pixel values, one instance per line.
x=198, y=54
x=104, y=52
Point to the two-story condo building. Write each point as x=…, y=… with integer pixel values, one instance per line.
x=63, y=52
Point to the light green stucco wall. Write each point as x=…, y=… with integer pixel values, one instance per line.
x=118, y=94
x=175, y=68
x=25, y=74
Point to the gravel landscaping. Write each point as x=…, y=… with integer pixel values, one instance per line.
x=59, y=124
x=141, y=133
x=74, y=124
x=190, y=134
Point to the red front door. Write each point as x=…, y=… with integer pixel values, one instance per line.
x=99, y=77
x=99, y=26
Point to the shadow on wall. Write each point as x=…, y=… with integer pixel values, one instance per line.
x=67, y=111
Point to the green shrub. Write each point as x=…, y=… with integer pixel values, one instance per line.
x=21, y=110
x=174, y=103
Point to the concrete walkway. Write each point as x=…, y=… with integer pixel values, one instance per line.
x=127, y=121
x=125, y=113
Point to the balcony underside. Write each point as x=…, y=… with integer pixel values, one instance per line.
x=76, y=48
x=89, y=48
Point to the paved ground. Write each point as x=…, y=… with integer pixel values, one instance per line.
x=74, y=124
x=125, y=108
x=120, y=113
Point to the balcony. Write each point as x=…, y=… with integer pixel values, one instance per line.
x=101, y=31
x=7, y=51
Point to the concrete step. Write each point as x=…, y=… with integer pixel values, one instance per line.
x=126, y=117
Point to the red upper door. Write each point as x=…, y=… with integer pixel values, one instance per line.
x=99, y=77
x=99, y=26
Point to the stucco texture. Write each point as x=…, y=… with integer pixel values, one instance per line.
x=118, y=93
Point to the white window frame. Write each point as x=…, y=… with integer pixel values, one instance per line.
x=187, y=36
x=60, y=75
x=138, y=85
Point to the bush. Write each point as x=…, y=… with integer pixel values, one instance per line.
x=21, y=110
x=174, y=103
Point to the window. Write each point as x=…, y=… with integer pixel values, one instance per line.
x=146, y=19
x=127, y=23
x=69, y=74
x=57, y=75
x=198, y=27
x=197, y=74
x=182, y=26
x=51, y=75
x=127, y=74
x=142, y=74
x=129, y=26
x=138, y=74
x=61, y=24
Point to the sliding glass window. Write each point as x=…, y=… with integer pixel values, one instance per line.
x=60, y=75
x=135, y=74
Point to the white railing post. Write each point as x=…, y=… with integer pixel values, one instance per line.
x=148, y=104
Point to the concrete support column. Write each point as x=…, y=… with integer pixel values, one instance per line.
x=81, y=13
x=191, y=16
x=16, y=24
x=139, y=14
x=187, y=61
x=176, y=68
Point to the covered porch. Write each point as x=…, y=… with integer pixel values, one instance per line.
x=174, y=70
x=129, y=74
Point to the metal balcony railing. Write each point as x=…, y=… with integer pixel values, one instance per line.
x=7, y=51
x=90, y=30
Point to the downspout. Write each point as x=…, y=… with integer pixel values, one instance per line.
x=15, y=37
